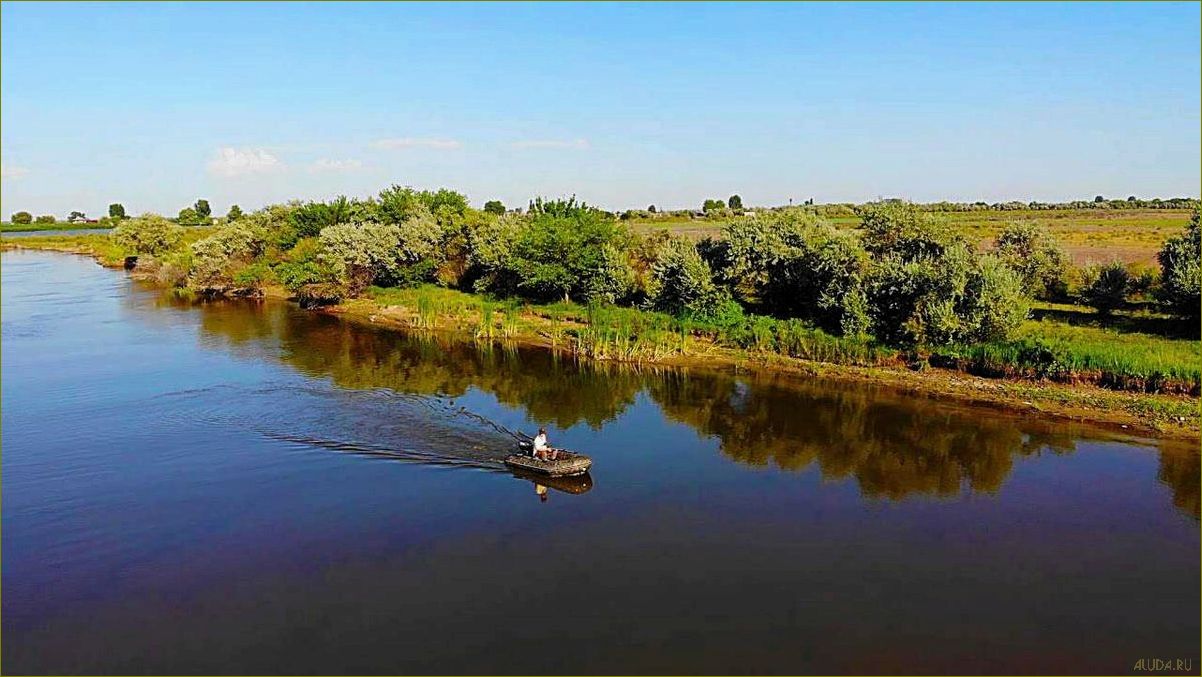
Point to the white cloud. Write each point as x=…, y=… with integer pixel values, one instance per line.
x=230, y=162
x=410, y=142
x=11, y=172
x=335, y=166
x=576, y=144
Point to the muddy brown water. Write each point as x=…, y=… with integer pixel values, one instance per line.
x=249, y=488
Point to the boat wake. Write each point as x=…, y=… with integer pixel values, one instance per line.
x=377, y=423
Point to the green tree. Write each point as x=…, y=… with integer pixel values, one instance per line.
x=712, y=205
x=218, y=258
x=494, y=207
x=902, y=231
x=1099, y=198
x=1032, y=252
x=735, y=202
x=651, y=208
x=203, y=211
x=45, y=218
x=795, y=265
x=400, y=203
x=378, y=253
x=117, y=211
x=1106, y=286
x=683, y=284
x=571, y=250
x=188, y=217
x=22, y=218
x=147, y=234
x=77, y=216
x=234, y=213
x=1180, y=277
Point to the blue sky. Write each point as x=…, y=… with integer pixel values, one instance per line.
x=624, y=105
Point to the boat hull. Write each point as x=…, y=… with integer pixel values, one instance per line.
x=566, y=464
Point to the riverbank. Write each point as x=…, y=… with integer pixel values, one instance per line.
x=1137, y=413
x=584, y=334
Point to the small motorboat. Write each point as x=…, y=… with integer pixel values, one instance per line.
x=563, y=463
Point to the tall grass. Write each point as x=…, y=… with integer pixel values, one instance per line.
x=1045, y=349
x=1065, y=353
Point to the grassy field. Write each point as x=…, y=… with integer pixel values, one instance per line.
x=9, y=227
x=1089, y=235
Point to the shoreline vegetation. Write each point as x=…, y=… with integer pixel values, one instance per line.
x=899, y=299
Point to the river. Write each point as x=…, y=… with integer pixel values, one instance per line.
x=248, y=488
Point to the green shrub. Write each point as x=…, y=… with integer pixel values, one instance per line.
x=954, y=297
x=361, y=254
x=188, y=216
x=902, y=231
x=253, y=276
x=793, y=264
x=681, y=283
x=489, y=251
x=1028, y=249
x=1180, y=278
x=571, y=250
x=397, y=204
x=22, y=218
x=1106, y=286
x=216, y=259
x=147, y=234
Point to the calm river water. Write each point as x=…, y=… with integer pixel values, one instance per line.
x=248, y=488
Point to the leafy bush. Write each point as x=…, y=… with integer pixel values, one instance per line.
x=1028, y=249
x=795, y=265
x=22, y=218
x=310, y=218
x=397, y=204
x=1106, y=286
x=147, y=234
x=682, y=283
x=571, y=250
x=1180, y=278
x=188, y=216
x=489, y=250
x=362, y=254
x=995, y=301
x=218, y=258
x=954, y=297
x=903, y=231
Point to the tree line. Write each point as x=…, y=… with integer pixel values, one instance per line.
x=903, y=277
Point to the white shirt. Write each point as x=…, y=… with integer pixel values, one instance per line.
x=540, y=442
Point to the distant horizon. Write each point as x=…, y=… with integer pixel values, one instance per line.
x=624, y=105
x=6, y=215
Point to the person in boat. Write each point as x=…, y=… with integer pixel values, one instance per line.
x=541, y=491
x=540, y=448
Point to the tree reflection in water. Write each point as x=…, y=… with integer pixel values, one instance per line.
x=892, y=444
